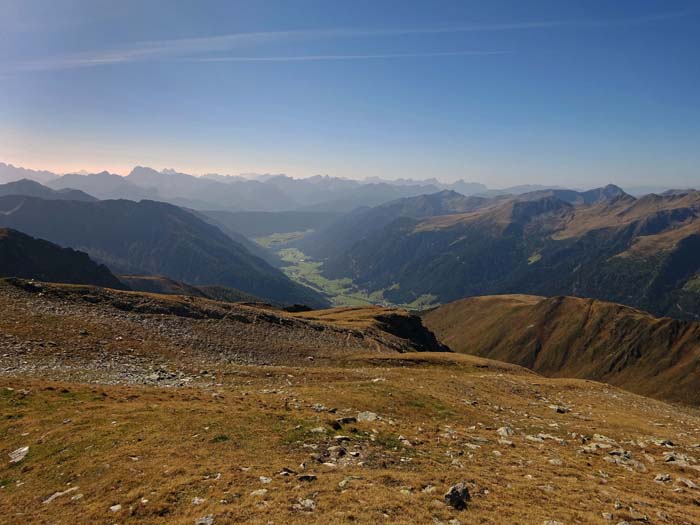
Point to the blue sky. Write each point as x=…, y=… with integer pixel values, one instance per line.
x=501, y=92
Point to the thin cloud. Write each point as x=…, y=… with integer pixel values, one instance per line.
x=187, y=47
x=310, y=58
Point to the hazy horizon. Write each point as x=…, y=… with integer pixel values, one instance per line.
x=368, y=179
x=502, y=94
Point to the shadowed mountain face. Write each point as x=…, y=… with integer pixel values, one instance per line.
x=153, y=238
x=603, y=244
x=581, y=338
x=29, y=258
x=31, y=188
x=341, y=234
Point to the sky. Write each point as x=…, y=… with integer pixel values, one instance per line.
x=499, y=92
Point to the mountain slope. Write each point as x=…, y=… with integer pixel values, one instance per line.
x=581, y=338
x=221, y=221
x=144, y=409
x=32, y=188
x=153, y=238
x=166, y=286
x=638, y=252
x=29, y=258
x=341, y=234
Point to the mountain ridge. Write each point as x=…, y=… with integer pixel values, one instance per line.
x=579, y=338
x=153, y=238
x=632, y=251
x=26, y=257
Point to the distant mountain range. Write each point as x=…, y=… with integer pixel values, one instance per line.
x=232, y=193
x=602, y=243
x=26, y=257
x=153, y=238
x=32, y=188
x=580, y=338
x=403, y=242
x=270, y=193
x=10, y=173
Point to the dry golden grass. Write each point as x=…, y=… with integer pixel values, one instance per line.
x=577, y=337
x=153, y=450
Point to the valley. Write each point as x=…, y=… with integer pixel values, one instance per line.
x=342, y=291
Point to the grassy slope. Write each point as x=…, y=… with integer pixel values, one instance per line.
x=153, y=450
x=572, y=337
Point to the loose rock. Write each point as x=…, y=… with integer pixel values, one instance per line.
x=458, y=496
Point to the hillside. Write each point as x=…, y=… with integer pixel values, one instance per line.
x=617, y=248
x=222, y=221
x=153, y=238
x=29, y=258
x=340, y=235
x=164, y=285
x=580, y=338
x=211, y=331
x=150, y=409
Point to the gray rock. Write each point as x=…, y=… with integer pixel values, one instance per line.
x=306, y=504
x=59, y=494
x=367, y=416
x=688, y=483
x=18, y=455
x=206, y=520
x=458, y=496
x=505, y=432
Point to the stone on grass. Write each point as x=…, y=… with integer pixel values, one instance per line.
x=458, y=496
x=18, y=455
x=367, y=416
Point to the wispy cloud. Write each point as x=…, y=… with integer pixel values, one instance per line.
x=310, y=58
x=193, y=48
